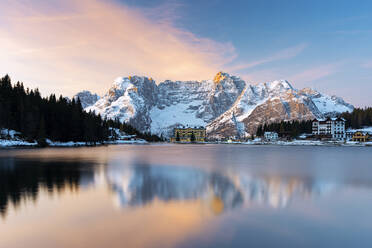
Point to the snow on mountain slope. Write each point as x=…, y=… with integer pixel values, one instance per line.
x=193, y=103
x=272, y=102
x=130, y=100
x=86, y=98
x=159, y=108
x=226, y=105
x=327, y=104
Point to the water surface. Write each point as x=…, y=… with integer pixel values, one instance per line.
x=186, y=196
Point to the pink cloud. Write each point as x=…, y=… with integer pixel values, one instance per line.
x=315, y=73
x=367, y=64
x=282, y=54
x=72, y=45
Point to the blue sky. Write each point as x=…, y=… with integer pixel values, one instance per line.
x=336, y=36
x=64, y=46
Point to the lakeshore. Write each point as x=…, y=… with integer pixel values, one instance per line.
x=5, y=144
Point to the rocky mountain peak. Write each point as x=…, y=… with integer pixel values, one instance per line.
x=220, y=76
x=278, y=85
x=86, y=98
x=309, y=92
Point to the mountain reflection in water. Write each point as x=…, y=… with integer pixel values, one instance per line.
x=139, y=184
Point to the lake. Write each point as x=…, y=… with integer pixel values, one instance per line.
x=186, y=196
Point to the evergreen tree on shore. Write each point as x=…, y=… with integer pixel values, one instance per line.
x=359, y=118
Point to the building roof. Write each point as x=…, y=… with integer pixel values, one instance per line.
x=329, y=119
x=197, y=128
x=271, y=133
x=362, y=132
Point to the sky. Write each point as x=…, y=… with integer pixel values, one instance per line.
x=65, y=46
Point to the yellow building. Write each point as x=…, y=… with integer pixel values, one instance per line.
x=360, y=137
x=196, y=134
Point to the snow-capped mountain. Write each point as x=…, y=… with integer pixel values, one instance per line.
x=226, y=105
x=273, y=102
x=159, y=108
x=86, y=98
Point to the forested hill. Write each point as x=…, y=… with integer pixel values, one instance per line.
x=58, y=119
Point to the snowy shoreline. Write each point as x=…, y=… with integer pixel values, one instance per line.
x=24, y=144
x=6, y=144
x=15, y=140
x=301, y=143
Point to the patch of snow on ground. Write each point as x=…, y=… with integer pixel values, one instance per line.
x=10, y=143
x=9, y=138
x=364, y=129
x=65, y=144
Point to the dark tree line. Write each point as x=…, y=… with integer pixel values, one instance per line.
x=359, y=118
x=58, y=119
x=286, y=128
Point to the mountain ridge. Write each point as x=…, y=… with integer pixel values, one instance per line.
x=226, y=105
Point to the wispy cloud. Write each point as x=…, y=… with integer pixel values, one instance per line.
x=354, y=31
x=315, y=73
x=263, y=75
x=367, y=64
x=72, y=45
x=280, y=55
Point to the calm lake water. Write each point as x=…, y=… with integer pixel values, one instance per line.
x=186, y=196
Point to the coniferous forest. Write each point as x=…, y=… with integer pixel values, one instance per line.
x=58, y=119
x=359, y=118
x=286, y=128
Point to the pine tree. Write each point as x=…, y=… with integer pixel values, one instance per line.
x=41, y=134
x=192, y=138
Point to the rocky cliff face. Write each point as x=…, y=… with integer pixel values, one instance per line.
x=130, y=100
x=226, y=105
x=264, y=103
x=86, y=98
x=193, y=103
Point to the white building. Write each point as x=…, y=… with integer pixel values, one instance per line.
x=332, y=128
x=271, y=136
